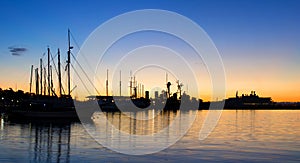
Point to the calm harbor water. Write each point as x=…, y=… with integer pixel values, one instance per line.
x=243, y=135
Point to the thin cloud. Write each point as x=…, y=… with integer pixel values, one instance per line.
x=17, y=51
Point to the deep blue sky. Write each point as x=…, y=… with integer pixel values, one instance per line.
x=257, y=39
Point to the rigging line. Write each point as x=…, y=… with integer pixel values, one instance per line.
x=63, y=88
x=85, y=59
x=81, y=80
x=84, y=56
x=85, y=74
x=97, y=79
x=73, y=38
x=43, y=55
x=62, y=84
x=52, y=59
x=54, y=64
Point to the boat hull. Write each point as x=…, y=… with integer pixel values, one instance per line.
x=44, y=114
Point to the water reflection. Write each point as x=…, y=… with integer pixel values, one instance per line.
x=51, y=142
x=244, y=135
x=43, y=141
x=136, y=123
x=139, y=132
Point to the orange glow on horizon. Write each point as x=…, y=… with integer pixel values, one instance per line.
x=266, y=84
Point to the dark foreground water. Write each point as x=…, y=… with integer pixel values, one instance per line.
x=248, y=136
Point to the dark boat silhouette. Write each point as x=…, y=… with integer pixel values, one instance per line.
x=249, y=101
x=45, y=103
x=135, y=103
x=39, y=107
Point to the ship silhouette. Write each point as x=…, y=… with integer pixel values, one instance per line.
x=44, y=103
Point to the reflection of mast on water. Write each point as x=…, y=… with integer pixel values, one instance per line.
x=51, y=143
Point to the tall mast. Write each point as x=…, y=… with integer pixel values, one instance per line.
x=30, y=83
x=37, y=81
x=45, y=80
x=49, y=71
x=41, y=78
x=59, y=72
x=51, y=81
x=107, y=82
x=68, y=62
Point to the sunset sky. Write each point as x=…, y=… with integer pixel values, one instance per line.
x=258, y=40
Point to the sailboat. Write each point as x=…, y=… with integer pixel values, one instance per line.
x=39, y=105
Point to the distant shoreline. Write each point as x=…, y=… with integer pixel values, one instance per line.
x=259, y=109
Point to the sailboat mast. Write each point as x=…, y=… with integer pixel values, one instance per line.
x=68, y=63
x=41, y=72
x=51, y=81
x=59, y=72
x=45, y=80
x=49, y=87
x=30, y=83
x=37, y=81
